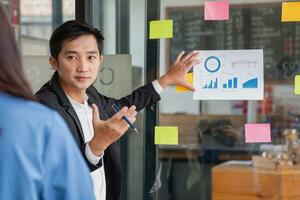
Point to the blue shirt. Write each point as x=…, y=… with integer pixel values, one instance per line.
x=38, y=155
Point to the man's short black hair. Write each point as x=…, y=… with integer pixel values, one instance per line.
x=71, y=30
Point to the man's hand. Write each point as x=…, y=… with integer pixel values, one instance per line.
x=107, y=132
x=178, y=70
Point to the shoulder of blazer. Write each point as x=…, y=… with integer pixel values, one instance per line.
x=46, y=96
x=51, y=93
x=96, y=97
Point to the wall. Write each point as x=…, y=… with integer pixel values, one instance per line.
x=135, y=142
x=33, y=46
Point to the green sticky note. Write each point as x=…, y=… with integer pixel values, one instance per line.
x=161, y=29
x=297, y=84
x=166, y=135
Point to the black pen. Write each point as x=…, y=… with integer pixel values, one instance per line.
x=117, y=109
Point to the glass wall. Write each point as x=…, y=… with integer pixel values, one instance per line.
x=119, y=21
x=212, y=132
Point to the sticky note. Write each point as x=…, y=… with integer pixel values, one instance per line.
x=290, y=12
x=166, y=135
x=189, y=79
x=216, y=10
x=161, y=29
x=255, y=133
x=297, y=84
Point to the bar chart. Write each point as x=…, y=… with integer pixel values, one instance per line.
x=212, y=84
x=231, y=83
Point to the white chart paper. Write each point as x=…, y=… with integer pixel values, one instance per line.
x=229, y=75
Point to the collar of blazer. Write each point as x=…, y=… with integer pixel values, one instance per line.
x=94, y=97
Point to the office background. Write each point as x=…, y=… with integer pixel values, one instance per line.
x=182, y=171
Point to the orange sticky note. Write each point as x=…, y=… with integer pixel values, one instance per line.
x=161, y=29
x=216, y=10
x=189, y=79
x=167, y=135
x=290, y=12
x=256, y=133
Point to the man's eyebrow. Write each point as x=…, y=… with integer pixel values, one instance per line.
x=75, y=52
x=93, y=52
x=70, y=52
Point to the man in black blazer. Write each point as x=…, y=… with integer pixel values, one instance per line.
x=76, y=54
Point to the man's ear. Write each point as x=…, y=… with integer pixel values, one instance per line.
x=53, y=62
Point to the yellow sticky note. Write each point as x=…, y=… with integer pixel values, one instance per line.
x=290, y=12
x=161, y=29
x=166, y=135
x=189, y=79
x=297, y=84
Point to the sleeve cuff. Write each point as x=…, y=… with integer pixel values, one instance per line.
x=91, y=156
x=157, y=87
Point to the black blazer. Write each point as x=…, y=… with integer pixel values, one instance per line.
x=52, y=95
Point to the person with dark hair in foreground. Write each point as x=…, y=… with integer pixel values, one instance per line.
x=76, y=54
x=39, y=157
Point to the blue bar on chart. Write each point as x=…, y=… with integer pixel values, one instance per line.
x=216, y=83
x=210, y=84
x=235, y=82
x=229, y=83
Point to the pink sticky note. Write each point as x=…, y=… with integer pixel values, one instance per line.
x=216, y=10
x=255, y=133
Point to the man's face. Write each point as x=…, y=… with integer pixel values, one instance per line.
x=78, y=63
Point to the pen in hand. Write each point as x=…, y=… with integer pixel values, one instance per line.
x=117, y=109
